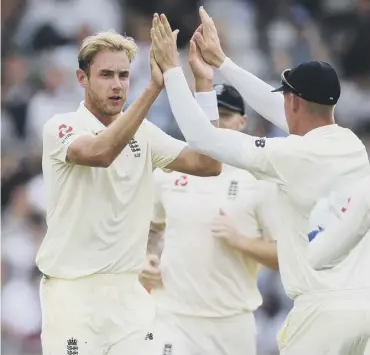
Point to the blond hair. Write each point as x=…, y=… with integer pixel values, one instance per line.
x=319, y=110
x=110, y=41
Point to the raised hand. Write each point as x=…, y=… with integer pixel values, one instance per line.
x=207, y=39
x=164, y=43
x=201, y=69
x=156, y=73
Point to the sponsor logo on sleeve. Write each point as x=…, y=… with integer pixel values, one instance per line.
x=260, y=143
x=65, y=132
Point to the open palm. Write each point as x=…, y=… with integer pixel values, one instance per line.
x=199, y=67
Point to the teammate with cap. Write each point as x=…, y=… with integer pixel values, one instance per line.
x=216, y=236
x=305, y=165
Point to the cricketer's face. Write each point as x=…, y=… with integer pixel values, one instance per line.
x=108, y=82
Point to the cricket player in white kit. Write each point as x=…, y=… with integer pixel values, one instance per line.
x=216, y=237
x=305, y=165
x=97, y=165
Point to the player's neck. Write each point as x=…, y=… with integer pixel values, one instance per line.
x=312, y=123
x=106, y=120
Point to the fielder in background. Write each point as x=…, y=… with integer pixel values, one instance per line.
x=217, y=236
x=306, y=166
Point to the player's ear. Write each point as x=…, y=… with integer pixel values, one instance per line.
x=297, y=103
x=243, y=122
x=82, y=78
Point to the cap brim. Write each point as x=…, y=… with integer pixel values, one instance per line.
x=280, y=89
x=284, y=82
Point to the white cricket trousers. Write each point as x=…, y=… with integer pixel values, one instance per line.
x=327, y=323
x=95, y=315
x=185, y=335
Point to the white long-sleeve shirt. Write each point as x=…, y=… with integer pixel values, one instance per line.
x=304, y=167
x=346, y=227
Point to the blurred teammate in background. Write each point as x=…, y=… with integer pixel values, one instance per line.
x=98, y=164
x=216, y=237
x=315, y=156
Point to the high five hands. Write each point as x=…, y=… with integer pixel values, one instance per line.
x=205, y=41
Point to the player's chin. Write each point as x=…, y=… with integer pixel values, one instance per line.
x=115, y=106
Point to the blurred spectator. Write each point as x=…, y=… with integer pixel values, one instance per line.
x=50, y=23
x=16, y=93
x=59, y=94
x=294, y=38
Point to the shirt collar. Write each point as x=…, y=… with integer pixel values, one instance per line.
x=320, y=131
x=93, y=122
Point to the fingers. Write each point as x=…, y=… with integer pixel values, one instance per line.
x=162, y=29
x=199, y=39
x=155, y=19
x=155, y=39
x=166, y=25
x=203, y=15
x=157, y=29
x=206, y=21
x=174, y=34
x=192, y=49
x=213, y=27
x=199, y=29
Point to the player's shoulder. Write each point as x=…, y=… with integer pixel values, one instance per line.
x=148, y=126
x=59, y=121
x=281, y=145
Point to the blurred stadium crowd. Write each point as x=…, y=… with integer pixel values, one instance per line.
x=40, y=41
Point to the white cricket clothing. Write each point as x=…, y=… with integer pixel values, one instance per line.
x=184, y=335
x=304, y=167
x=98, y=219
x=327, y=323
x=104, y=314
x=202, y=276
x=257, y=93
x=340, y=231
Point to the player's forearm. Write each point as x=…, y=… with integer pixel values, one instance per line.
x=260, y=250
x=256, y=93
x=336, y=241
x=223, y=145
x=203, y=84
x=110, y=143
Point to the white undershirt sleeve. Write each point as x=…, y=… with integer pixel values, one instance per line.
x=223, y=145
x=208, y=102
x=256, y=93
x=337, y=240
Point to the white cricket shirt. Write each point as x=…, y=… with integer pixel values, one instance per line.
x=202, y=275
x=98, y=218
x=306, y=169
